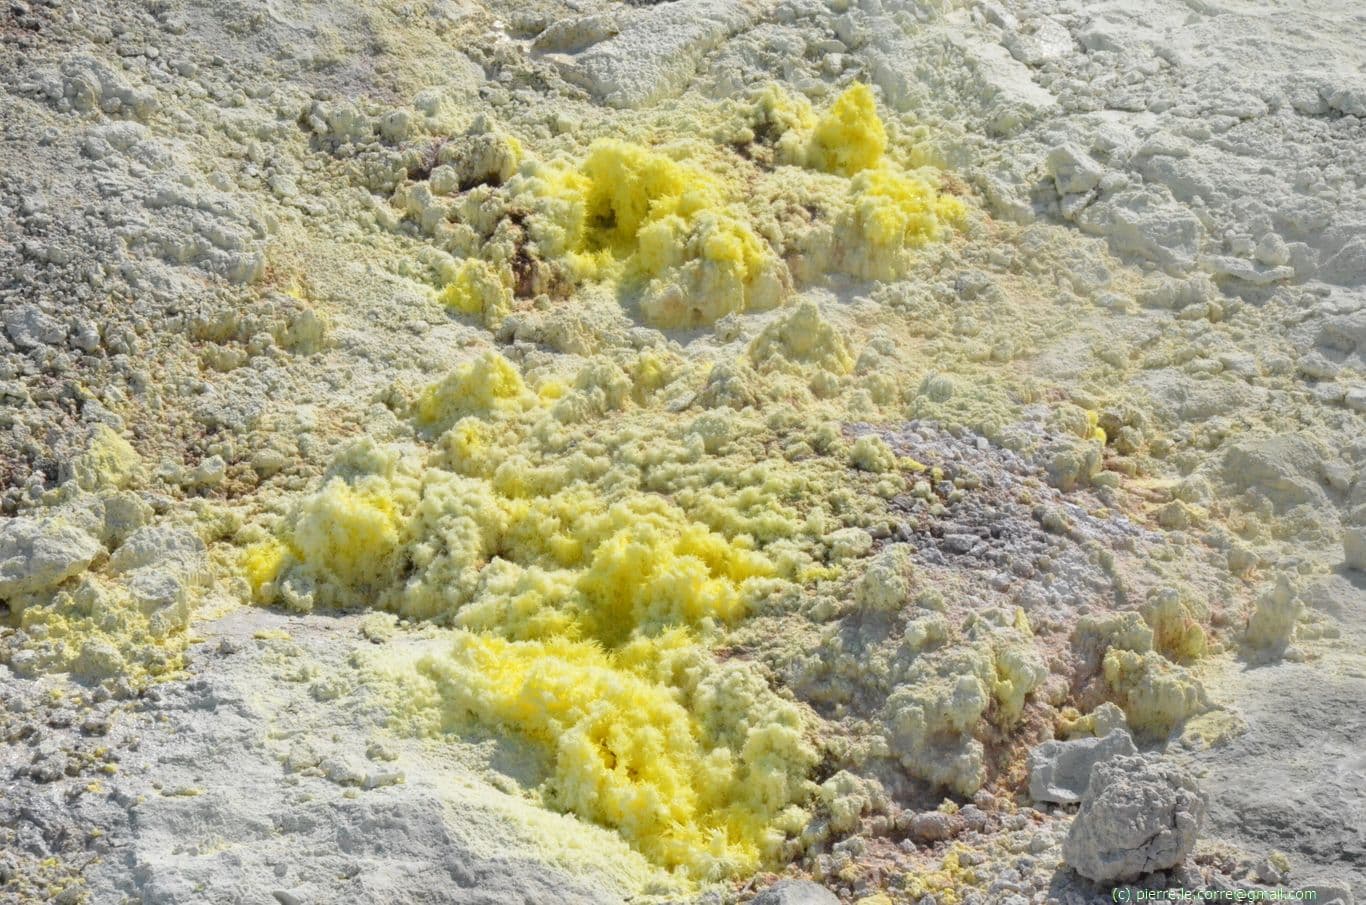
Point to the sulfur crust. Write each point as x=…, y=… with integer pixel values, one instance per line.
x=1271, y=625
x=488, y=383
x=109, y=461
x=94, y=620
x=588, y=534
x=350, y=531
x=1177, y=634
x=695, y=784
x=478, y=289
x=572, y=527
x=1155, y=694
x=261, y=563
x=885, y=585
x=871, y=453
x=945, y=883
x=664, y=227
x=685, y=236
x=850, y=137
x=883, y=210
x=894, y=213
x=945, y=692
x=97, y=631
x=801, y=339
x=582, y=589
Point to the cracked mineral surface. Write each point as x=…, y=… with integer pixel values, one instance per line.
x=889, y=452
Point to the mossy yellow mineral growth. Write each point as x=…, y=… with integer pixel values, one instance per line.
x=261, y=563
x=585, y=539
x=1155, y=694
x=850, y=137
x=573, y=646
x=683, y=234
x=487, y=384
x=946, y=882
x=882, y=211
x=894, y=213
x=665, y=227
x=478, y=289
x=700, y=774
x=801, y=338
x=586, y=547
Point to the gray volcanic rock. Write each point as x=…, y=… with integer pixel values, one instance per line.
x=1060, y=771
x=38, y=554
x=1140, y=814
x=796, y=892
x=1354, y=548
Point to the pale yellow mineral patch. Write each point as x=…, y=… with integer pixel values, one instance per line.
x=1155, y=694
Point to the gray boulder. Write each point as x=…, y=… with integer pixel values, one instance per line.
x=29, y=327
x=1354, y=548
x=1329, y=892
x=796, y=892
x=1060, y=771
x=175, y=549
x=1073, y=170
x=36, y=555
x=1139, y=815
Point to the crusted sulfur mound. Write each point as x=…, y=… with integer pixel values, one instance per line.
x=801, y=338
x=697, y=765
x=1095, y=635
x=1155, y=694
x=944, y=693
x=777, y=125
x=665, y=226
x=886, y=584
x=880, y=211
x=871, y=453
x=567, y=562
x=109, y=461
x=571, y=613
x=587, y=545
x=684, y=233
x=850, y=137
x=38, y=554
x=1177, y=633
x=488, y=383
x=343, y=545
x=351, y=533
x=93, y=587
x=574, y=567
x=478, y=289
x=1271, y=626
x=892, y=213
x=131, y=620
x=846, y=139
x=479, y=156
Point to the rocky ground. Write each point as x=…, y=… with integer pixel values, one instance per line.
x=699, y=451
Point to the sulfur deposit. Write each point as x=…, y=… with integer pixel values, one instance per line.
x=686, y=232
x=710, y=451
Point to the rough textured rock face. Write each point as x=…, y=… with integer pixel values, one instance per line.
x=742, y=431
x=1061, y=771
x=1139, y=815
x=796, y=892
x=36, y=555
x=1354, y=548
